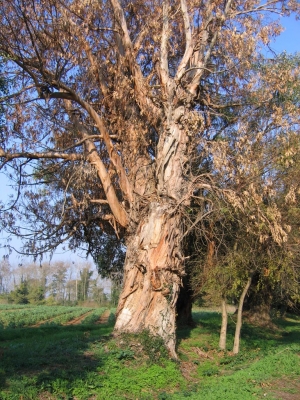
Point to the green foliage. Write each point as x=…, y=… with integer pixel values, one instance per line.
x=29, y=315
x=83, y=284
x=152, y=347
x=115, y=293
x=58, y=282
x=93, y=317
x=21, y=294
x=109, y=256
x=29, y=291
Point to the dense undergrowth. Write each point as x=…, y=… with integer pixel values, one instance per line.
x=84, y=361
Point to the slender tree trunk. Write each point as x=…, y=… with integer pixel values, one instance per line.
x=223, y=332
x=236, y=345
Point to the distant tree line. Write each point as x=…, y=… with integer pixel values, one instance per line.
x=58, y=283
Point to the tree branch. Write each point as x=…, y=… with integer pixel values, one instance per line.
x=145, y=103
x=94, y=159
x=164, y=67
x=189, y=48
x=36, y=155
x=192, y=87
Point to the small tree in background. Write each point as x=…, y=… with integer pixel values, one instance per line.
x=84, y=284
x=20, y=294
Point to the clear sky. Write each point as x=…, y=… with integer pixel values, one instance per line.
x=288, y=41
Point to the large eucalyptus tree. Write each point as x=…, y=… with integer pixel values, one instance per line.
x=115, y=109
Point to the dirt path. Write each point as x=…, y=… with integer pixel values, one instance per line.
x=78, y=320
x=104, y=317
x=286, y=389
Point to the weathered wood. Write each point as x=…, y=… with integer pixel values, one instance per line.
x=152, y=277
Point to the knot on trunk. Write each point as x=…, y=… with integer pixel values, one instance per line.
x=156, y=281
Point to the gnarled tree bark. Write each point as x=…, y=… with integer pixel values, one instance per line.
x=154, y=264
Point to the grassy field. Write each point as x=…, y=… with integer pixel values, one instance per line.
x=69, y=353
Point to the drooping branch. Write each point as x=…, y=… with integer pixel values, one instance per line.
x=69, y=94
x=66, y=93
x=96, y=68
x=94, y=159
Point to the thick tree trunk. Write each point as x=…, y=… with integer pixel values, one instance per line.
x=153, y=272
x=154, y=264
x=184, y=304
x=223, y=331
x=236, y=345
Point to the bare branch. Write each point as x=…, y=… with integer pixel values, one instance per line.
x=189, y=48
x=120, y=18
x=118, y=211
x=99, y=201
x=36, y=155
x=192, y=88
x=262, y=7
x=13, y=95
x=164, y=68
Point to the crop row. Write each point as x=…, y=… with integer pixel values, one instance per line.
x=93, y=317
x=31, y=316
x=68, y=316
x=7, y=307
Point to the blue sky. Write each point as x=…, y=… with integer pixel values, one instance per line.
x=288, y=41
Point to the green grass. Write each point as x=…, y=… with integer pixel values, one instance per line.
x=84, y=361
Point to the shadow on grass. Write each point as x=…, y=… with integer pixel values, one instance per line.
x=208, y=324
x=50, y=359
x=204, y=322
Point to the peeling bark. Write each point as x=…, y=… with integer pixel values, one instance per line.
x=153, y=273
x=154, y=264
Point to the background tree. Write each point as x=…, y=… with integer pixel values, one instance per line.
x=5, y=275
x=84, y=284
x=58, y=283
x=112, y=111
x=97, y=293
x=20, y=294
x=234, y=245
